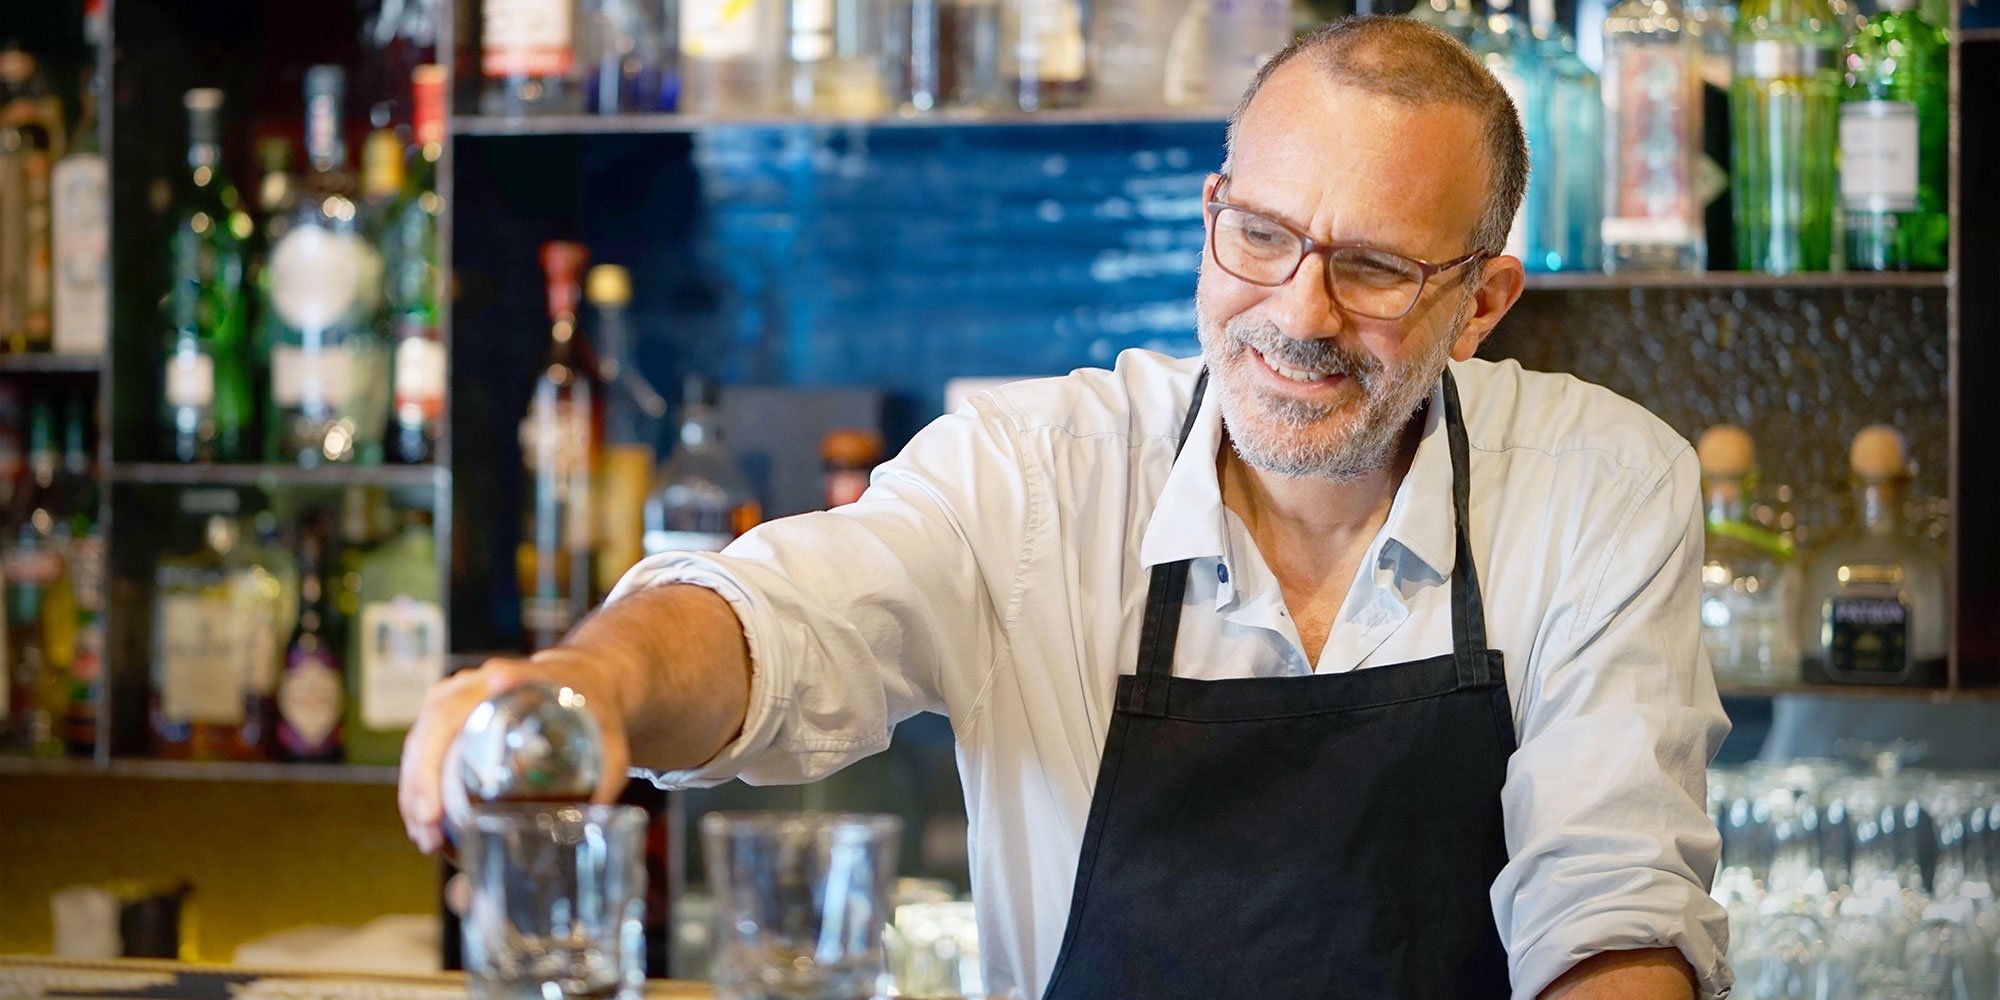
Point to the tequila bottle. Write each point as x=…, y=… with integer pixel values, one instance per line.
x=1894, y=142
x=1652, y=140
x=1875, y=610
x=205, y=384
x=329, y=366
x=1747, y=578
x=1784, y=110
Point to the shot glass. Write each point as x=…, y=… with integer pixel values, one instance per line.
x=800, y=903
x=558, y=901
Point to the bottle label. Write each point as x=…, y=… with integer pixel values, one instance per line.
x=310, y=702
x=420, y=372
x=402, y=654
x=685, y=541
x=1878, y=156
x=555, y=444
x=190, y=380
x=82, y=255
x=1867, y=636
x=527, y=38
x=1651, y=192
x=715, y=30
x=319, y=276
x=200, y=667
x=1051, y=41
x=319, y=376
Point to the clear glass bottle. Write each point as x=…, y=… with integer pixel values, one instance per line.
x=1895, y=155
x=731, y=55
x=632, y=409
x=969, y=54
x=631, y=61
x=329, y=387
x=81, y=241
x=1875, y=610
x=559, y=453
x=1784, y=112
x=205, y=381
x=835, y=67
x=700, y=500
x=1747, y=578
x=527, y=55
x=1651, y=84
x=1501, y=40
x=30, y=142
x=1042, y=53
x=397, y=644
x=1565, y=207
x=198, y=688
x=312, y=692
x=409, y=250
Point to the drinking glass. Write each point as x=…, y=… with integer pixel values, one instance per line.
x=800, y=903
x=558, y=901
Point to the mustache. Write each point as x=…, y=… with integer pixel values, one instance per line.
x=1319, y=356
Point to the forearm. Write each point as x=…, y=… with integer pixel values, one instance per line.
x=1645, y=974
x=675, y=666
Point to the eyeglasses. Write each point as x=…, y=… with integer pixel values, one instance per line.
x=1364, y=280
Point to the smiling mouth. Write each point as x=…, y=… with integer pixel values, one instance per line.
x=1295, y=374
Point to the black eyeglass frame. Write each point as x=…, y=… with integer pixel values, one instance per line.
x=1309, y=246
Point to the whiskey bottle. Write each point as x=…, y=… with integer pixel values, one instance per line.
x=559, y=437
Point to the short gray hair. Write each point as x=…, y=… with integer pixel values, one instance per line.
x=1417, y=64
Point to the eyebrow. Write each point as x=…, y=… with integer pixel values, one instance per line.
x=1337, y=240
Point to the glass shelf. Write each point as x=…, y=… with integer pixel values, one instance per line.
x=267, y=476
x=199, y=770
x=52, y=364
x=666, y=124
x=1583, y=281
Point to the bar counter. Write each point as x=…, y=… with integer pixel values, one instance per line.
x=33, y=977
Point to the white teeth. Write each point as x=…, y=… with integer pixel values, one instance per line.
x=1294, y=374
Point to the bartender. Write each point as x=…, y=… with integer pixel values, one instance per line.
x=1333, y=662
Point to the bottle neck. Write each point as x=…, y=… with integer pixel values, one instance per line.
x=1725, y=501
x=613, y=345
x=326, y=148
x=699, y=428
x=203, y=156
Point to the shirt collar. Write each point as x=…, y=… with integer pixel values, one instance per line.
x=1188, y=522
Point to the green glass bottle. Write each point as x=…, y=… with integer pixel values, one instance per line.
x=1784, y=105
x=397, y=642
x=205, y=385
x=1894, y=142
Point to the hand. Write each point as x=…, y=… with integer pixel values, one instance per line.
x=429, y=764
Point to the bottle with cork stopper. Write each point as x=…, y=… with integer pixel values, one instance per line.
x=848, y=455
x=1747, y=578
x=1875, y=610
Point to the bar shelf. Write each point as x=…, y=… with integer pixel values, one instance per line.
x=176, y=474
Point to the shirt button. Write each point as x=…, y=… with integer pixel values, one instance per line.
x=1221, y=573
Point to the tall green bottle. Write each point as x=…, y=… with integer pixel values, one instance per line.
x=397, y=642
x=1894, y=142
x=205, y=383
x=1784, y=105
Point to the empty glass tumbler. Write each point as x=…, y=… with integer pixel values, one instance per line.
x=558, y=901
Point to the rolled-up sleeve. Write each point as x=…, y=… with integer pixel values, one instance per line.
x=1608, y=834
x=859, y=617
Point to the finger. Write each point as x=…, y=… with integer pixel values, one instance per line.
x=445, y=709
x=458, y=893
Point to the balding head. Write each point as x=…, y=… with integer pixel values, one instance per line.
x=1417, y=65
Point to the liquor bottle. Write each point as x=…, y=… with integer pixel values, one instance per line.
x=631, y=63
x=1565, y=133
x=1714, y=25
x=1502, y=41
x=527, y=56
x=1242, y=34
x=701, y=500
x=277, y=195
x=263, y=595
x=911, y=55
x=968, y=58
x=410, y=254
x=81, y=227
x=559, y=454
x=329, y=367
x=196, y=703
x=1651, y=84
x=77, y=490
x=1747, y=578
x=397, y=644
x=1894, y=142
x=30, y=142
x=312, y=693
x=1875, y=610
x=1042, y=55
x=848, y=456
x=37, y=678
x=631, y=409
x=730, y=53
x=381, y=178
x=205, y=389
x=1455, y=17
x=1784, y=109
x=834, y=65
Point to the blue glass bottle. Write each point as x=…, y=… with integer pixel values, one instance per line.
x=1501, y=40
x=1565, y=135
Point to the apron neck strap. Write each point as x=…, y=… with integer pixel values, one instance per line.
x=1163, y=602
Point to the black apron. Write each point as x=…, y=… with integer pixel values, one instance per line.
x=1325, y=836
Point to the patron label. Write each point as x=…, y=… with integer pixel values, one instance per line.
x=1867, y=635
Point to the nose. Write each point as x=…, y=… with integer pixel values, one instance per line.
x=1303, y=308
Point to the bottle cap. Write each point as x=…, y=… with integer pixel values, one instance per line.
x=608, y=285
x=562, y=264
x=850, y=448
x=1726, y=451
x=1879, y=452
x=202, y=99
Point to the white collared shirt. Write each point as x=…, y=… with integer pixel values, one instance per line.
x=996, y=572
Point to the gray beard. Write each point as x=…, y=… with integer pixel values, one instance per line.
x=1276, y=435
